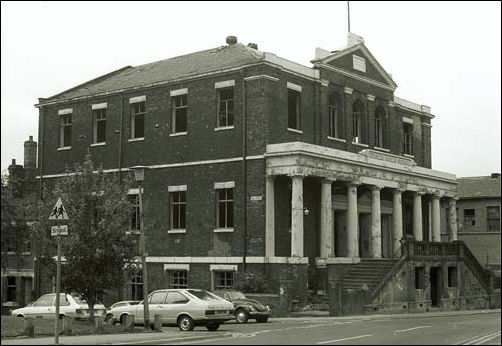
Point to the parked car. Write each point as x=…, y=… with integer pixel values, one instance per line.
x=109, y=316
x=185, y=308
x=69, y=305
x=246, y=308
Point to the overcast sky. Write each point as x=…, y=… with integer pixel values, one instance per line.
x=444, y=55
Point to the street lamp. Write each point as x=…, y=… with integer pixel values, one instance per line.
x=139, y=176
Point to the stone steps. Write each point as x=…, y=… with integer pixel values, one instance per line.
x=368, y=273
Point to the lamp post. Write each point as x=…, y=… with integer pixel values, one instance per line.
x=139, y=176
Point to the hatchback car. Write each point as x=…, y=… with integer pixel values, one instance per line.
x=69, y=305
x=185, y=308
x=246, y=308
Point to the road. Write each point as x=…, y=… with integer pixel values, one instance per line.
x=463, y=329
x=448, y=330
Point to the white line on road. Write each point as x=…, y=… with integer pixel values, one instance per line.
x=409, y=329
x=487, y=338
x=354, y=337
x=162, y=340
x=475, y=339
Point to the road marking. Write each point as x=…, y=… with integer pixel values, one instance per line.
x=164, y=339
x=487, y=338
x=409, y=329
x=478, y=338
x=344, y=339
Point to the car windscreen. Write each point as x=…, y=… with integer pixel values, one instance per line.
x=236, y=295
x=204, y=295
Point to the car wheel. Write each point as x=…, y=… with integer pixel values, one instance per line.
x=185, y=323
x=213, y=326
x=262, y=319
x=122, y=319
x=20, y=316
x=241, y=316
x=109, y=319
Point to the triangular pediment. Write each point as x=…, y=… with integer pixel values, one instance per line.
x=356, y=60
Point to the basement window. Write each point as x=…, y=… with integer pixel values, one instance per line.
x=469, y=217
x=419, y=278
x=180, y=111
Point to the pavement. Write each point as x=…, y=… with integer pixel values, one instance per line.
x=472, y=327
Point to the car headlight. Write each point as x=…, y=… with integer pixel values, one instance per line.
x=268, y=308
x=252, y=308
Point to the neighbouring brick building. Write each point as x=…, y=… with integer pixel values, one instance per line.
x=258, y=164
x=478, y=213
x=18, y=264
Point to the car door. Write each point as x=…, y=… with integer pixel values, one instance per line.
x=43, y=307
x=175, y=303
x=157, y=306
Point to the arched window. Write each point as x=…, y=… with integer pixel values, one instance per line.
x=357, y=121
x=380, y=127
x=335, y=117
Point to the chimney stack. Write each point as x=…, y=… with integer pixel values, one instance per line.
x=30, y=153
x=353, y=39
x=231, y=40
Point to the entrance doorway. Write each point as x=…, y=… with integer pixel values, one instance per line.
x=364, y=235
x=435, y=278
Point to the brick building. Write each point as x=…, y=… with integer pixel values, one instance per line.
x=259, y=164
x=478, y=213
x=18, y=263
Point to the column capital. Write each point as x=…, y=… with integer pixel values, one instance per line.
x=436, y=195
x=348, y=90
x=270, y=177
x=297, y=176
x=353, y=184
x=376, y=187
x=370, y=97
x=418, y=193
x=325, y=180
x=398, y=190
x=392, y=104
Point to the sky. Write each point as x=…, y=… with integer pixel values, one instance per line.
x=442, y=54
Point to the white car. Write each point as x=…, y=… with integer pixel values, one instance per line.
x=45, y=307
x=185, y=308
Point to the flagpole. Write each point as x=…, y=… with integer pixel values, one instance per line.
x=348, y=14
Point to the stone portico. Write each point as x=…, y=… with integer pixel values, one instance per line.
x=346, y=178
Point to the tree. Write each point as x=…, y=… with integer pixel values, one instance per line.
x=98, y=246
x=15, y=235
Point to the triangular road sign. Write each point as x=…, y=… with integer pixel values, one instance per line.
x=58, y=212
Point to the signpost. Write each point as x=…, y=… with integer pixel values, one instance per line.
x=58, y=213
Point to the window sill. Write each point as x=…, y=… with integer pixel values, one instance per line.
x=382, y=149
x=223, y=128
x=136, y=139
x=337, y=139
x=294, y=130
x=98, y=144
x=361, y=144
x=223, y=230
x=178, y=134
x=177, y=231
x=133, y=232
x=64, y=148
x=409, y=156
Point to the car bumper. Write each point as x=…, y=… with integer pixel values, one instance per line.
x=200, y=321
x=255, y=314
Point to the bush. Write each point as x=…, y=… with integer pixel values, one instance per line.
x=251, y=283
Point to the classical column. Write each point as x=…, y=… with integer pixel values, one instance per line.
x=417, y=216
x=327, y=236
x=436, y=230
x=297, y=216
x=352, y=221
x=376, y=224
x=452, y=210
x=397, y=221
x=270, y=217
